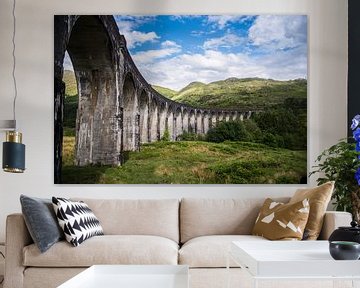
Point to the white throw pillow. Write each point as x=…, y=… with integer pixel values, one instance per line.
x=76, y=220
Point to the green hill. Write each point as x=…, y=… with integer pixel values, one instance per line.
x=165, y=91
x=70, y=83
x=247, y=93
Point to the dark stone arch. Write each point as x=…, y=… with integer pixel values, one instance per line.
x=144, y=117
x=92, y=42
x=131, y=115
x=96, y=88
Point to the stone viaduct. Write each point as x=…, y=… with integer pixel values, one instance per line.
x=118, y=110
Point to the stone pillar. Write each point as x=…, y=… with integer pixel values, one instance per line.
x=206, y=122
x=240, y=116
x=185, y=121
x=153, y=121
x=178, y=124
x=213, y=119
x=199, y=123
x=220, y=116
x=227, y=116
x=144, y=118
x=170, y=123
x=162, y=119
x=131, y=112
x=192, y=122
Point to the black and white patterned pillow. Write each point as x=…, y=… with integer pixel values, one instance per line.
x=77, y=220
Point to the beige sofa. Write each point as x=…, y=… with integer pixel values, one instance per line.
x=194, y=232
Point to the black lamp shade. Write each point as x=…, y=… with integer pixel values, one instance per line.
x=13, y=157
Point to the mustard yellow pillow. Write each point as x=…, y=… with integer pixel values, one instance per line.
x=279, y=221
x=319, y=198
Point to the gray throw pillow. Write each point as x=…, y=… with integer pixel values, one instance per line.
x=41, y=221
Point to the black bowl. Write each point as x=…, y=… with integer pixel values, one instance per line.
x=344, y=250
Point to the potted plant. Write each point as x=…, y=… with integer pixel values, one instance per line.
x=341, y=163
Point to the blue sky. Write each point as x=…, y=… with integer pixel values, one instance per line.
x=175, y=50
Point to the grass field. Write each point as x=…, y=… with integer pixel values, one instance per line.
x=190, y=162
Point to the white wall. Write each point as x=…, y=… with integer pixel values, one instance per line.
x=327, y=89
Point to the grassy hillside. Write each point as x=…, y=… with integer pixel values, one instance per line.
x=70, y=82
x=165, y=91
x=193, y=163
x=247, y=93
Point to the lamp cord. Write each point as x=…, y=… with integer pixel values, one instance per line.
x=14, y=60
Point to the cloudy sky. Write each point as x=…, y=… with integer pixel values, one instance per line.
x=172, y=51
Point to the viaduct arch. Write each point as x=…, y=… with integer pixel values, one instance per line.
x=118, y=110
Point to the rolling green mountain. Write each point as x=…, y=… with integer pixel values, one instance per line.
x=165, y=91
x=247, y=93
x=233, y=92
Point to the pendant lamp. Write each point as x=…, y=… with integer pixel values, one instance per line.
x=13, y=149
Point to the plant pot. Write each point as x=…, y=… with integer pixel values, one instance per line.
x=343, y=250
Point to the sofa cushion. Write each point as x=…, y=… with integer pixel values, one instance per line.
x=319, y=198
x=107, y=249
x=211, y=251
x=77, y=220
x=279, y=221
x=200, y=217
x=41, y=221
x=158, y=217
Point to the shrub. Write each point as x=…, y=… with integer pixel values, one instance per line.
x=188, y=136
x=253, y=130
x=166, y=136
x=233, y=131
x=283, y=128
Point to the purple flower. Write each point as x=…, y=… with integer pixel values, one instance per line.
x=357, y=147
x=356, y=134
x=357, y=176
x=355, y=122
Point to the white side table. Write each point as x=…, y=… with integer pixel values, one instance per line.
x=285, y=262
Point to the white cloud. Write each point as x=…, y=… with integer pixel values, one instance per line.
x=169, y=43
x=150, y=56
x=178, y=71
x=278, y=32
x=221, y=21
x=226, y=41
x=133, y=37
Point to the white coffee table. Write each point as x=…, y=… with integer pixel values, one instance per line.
x=131, y=276
x=293, y=260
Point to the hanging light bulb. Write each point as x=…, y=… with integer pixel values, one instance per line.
x=13, y=149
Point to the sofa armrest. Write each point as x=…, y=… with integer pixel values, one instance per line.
x=333, y=220
x=17, y=237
